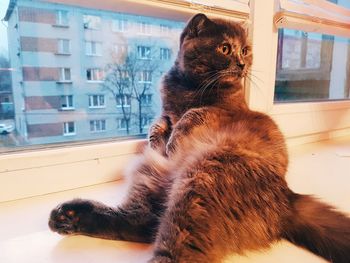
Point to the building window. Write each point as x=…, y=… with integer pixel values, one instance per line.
x=119, y=25
x=165, y=29
x=93, y=48
x=123, y=100
x=145, y=76
x=92, y=22
x=122, y=124
x=94, y=74
x=311, y=67
x=145, y=28
x=67, y=102
x=65, y=75
x=144, y=52
x=97, y=125
x=61, y=18
x=68, y=128
x=63, y=46
x=146, y=121
x=120, y=49
x=165, y=53
x=97, y=101
x=146, y=100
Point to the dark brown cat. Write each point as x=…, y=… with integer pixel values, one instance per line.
x=211, y=182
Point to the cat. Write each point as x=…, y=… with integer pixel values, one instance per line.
x=211, y=181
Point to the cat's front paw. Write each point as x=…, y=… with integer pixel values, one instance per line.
x=65, y=218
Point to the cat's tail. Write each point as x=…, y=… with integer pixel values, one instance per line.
x=319, y=228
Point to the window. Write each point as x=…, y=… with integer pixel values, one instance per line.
x=145, y=76
x=93, y=48
x=119, y=25
x=139, y=38
x=146, y=100
x=122, y=124
x=165, y=53
x=97, y=125
x=146, y=122
x=121, y=49
x=94, y=74
x=62, y=18
x=65, y=75
x=311, y=67
x=165, y=29
x=68, y=128
x=123, y=100
x=144, y=52
x=63, y=46
x=67, y=102
x=97, y=101
x=145, y=28
x=92, y=22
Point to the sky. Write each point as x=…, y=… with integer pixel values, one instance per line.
x=3, y=28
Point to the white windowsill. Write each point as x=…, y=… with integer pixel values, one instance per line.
x=317, y=168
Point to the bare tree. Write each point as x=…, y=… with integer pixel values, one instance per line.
x=130, y=74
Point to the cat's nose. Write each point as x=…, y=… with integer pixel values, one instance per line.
x=241, y=65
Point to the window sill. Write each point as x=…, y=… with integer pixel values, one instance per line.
x=62, y=54
x=97, y=107
x=314, y=167
x=64, y=82
x=69, y=134
x=94, y=81
x=60, y=26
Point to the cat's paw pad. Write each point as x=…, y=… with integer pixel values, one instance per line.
x=65, y=218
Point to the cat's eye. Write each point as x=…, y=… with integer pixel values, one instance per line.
x=226, y=49
x=244, y=51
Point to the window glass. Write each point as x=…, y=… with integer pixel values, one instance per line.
x=312, y=67
x=344, y=3
x=72, y=71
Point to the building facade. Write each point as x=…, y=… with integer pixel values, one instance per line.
x=82, y=73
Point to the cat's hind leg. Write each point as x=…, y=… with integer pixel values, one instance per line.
x=136, y=219
x=189, y=230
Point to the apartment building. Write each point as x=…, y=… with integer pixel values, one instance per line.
x=71, y=79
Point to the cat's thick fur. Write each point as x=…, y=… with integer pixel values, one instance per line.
x=211, y=182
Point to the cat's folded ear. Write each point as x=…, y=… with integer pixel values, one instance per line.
x=196, y=24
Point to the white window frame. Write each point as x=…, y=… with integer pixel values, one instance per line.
x=145, y=76
x=92, y=22
x=164, y=29
x=65, y=77
x=96, y=74
x=144, y=52
x=146, y=122
x=145, y=28
x=69, y=102
x=119, y=25
x=66, y=127
x=60, y=46
x=50, y=168
x=62, y=18
x=120, y=125
x=147, y=101
x=101, y=101
x=124, y=97
x=97, y=125
x=165, y=53
x=300, y=122
x=93, y=48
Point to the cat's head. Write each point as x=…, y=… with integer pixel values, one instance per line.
x=214, y=50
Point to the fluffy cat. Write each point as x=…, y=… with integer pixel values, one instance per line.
x=211, y=182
